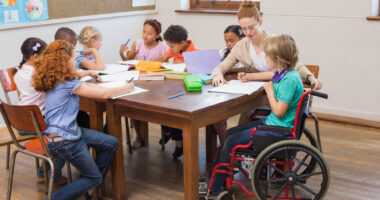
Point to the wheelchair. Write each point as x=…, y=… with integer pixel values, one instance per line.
x=279, y=168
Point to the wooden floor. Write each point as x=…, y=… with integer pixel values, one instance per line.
x=352, y=152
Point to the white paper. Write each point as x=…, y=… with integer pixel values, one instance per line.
x=175, y=67
x=122, y=76
x=129, y=62
x=238, y=87
x=112, y=69
x=86, y=78
x=113, y=84
x=137, y=3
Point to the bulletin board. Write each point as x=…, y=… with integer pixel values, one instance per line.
x=75, y=8
x=21, y=11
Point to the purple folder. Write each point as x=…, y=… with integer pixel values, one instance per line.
x=202, y=62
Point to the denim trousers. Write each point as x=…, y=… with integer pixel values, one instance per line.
x=235, y=136
x=92, y=172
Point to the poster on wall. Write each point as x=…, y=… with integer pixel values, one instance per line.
x=19, y=11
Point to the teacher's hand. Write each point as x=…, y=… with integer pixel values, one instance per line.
x=317, y=85
x=218, y=80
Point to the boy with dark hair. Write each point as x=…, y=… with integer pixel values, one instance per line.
x=176, y=38
x=66, y=34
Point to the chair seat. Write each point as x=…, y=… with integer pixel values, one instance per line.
x=35, y=146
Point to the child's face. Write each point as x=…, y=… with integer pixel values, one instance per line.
x=96, y=42
x=73, y=40
x=251, y=27
x=176, y=48
x=270, y=62
x=149, y=34
x=231, y=39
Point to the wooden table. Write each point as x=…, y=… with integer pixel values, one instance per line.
x=188, y=112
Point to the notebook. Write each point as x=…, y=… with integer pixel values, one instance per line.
x=202, y=62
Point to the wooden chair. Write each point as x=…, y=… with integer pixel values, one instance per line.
x=8, y=85
x=27, y=118
x=314, y=69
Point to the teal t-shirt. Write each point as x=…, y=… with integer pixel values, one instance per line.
x=288, y=90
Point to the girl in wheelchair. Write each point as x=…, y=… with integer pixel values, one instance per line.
x=283, y=95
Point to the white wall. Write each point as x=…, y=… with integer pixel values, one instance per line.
x=332, y=34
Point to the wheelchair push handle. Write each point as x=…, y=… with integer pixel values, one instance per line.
x=319, y=94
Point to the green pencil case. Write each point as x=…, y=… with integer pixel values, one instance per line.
x=192, y=83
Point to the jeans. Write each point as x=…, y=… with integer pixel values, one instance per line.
x=58, y=163
x=235, y=136
x=92, y=172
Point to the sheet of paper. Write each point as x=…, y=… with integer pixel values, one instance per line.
x=129, y=62
x=203, y=61
x=121, y=76
x=175, y=67
x=86, y=78
x=112, y=69
x=113, y=84
x=238, y=87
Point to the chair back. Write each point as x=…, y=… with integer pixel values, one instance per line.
x=25, y=118
x=314, y=69
x=301, y=114
x=7, y=81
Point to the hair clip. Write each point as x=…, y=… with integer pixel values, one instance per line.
x=68, y=47
x=35, y=47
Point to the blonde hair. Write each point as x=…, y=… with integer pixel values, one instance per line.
x=249, y=9
x=87, y=34
x=282, y=49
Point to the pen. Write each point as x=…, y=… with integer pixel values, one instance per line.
x=144, y=57
x=131, y=79
x=178, y=95
x=127, y=42
x=246, y=69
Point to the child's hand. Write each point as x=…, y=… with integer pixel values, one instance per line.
x=268, y=87
x=123, y=49
x=89, y=51
x=129, y=86
x=242, y=76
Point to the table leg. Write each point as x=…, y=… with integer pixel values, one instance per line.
x=96, y=115
x=190, y=165
x=117, y=167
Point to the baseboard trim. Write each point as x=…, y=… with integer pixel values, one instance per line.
x=348, y=120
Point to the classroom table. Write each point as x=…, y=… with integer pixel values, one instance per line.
x=188, y=112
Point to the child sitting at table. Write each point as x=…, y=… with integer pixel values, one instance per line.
x=283, y=95
x=150, y=47
x=232, y=35
x=89, y=58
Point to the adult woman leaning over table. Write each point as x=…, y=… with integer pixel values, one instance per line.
x=249, y=51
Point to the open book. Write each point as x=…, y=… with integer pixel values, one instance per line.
x=135, y=90
x=239, y=87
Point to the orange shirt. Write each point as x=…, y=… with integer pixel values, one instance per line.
x=179, y=56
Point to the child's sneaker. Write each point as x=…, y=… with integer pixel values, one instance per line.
x=177, y=152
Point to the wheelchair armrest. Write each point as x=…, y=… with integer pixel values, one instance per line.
x=279, y=129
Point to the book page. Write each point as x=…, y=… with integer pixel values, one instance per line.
x=175, y=67
x=238, y=87
x=112, y=69
x=121, y=76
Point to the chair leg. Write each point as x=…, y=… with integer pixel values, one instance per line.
x=51, y=179
x=37, y=164
x=8, y=156
x=128, y=135
x=70, y=178
x=10, y=182
x=45, y=176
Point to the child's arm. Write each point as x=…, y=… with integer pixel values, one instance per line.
x=163, y=58
x=99, y=92
x=93, y=74
x=131, y=55
x=278, y=107
x=97, y=65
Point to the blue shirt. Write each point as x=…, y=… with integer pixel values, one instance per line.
x=62, y=108
x=288, y=90
x=81, y=57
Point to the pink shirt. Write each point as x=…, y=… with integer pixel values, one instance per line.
x=28, y=95
x=150, y=54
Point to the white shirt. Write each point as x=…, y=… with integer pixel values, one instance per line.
x=259, y=60
x=237, y=65
x=28, y=95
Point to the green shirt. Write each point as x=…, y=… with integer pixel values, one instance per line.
x=288, y=90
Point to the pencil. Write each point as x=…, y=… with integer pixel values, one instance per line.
x=127, y=42
x=178, y=95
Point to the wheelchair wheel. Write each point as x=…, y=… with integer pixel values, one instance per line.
x=309, y=164
x=289, y=182
x=226, y=195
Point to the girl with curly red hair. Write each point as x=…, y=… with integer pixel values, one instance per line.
x=55, y=75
